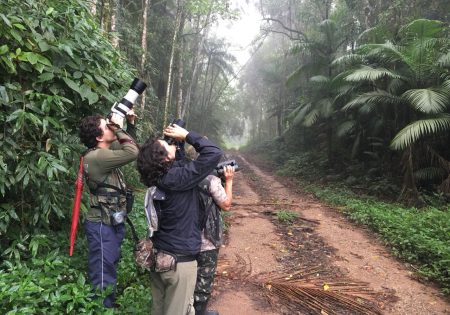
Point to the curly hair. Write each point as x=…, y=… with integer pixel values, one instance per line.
x=89, y=130
x=151, y=162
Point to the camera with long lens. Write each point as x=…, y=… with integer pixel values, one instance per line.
x=218, y=171
x=170, y=140
x=126, y=103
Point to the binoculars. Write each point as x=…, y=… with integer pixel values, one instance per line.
x=218, y=171
x=179, y=122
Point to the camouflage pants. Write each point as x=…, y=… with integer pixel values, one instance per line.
x=206, y=270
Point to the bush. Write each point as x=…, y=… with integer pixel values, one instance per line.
x=57, y=66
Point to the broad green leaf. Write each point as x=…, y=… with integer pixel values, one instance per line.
x=67, y=49
x=46, y=76
x=101, y=80
x=39, y=67
x=44, y=60
x=74, y=86
x=43, y=46
x=5, y=19
x=31, y=57
x=19, y=26
x=4, y=49
x=16, y=35
x=4, y=95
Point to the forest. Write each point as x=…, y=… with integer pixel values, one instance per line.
x=350, y=97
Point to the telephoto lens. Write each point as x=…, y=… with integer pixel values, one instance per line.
x=126, y=104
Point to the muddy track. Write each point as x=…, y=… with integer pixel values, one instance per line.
x=321, y=238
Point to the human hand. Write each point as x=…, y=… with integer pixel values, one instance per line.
x=176, y=132
x=131, y=116
x=115, y=119
x=228, y=172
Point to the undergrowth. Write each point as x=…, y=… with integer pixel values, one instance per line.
x=43, y=279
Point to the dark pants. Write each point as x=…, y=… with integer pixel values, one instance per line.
x=104, y=252
x=206, y=271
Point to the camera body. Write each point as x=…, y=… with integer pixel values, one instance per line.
x=118, y=217
x=179, y=122
x=218, y=171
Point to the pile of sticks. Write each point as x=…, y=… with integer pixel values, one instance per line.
x=303, y=290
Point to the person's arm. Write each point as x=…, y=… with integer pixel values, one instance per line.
x=122, y=151
x=228, y=173
x=223, y=196
x=191, y=174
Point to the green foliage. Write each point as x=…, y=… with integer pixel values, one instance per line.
x=57, y=66
x=287, y=217
x=53, y=283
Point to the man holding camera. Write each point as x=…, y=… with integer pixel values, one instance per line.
x=109, y=148
x=177, y=240
x=207, y=258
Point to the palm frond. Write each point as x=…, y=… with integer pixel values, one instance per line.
x=345, y=128
x=395, y=85
x=311, y=118
x=430, y=173
x=343, y=91
x=319, y=79
x=301, y=113
x=384, y=53
x=378, y=97
x=325, y=106
x=419, y=129
x=367, y=73
x=446, y=84
x=427, y=100
x=377, y=34
x=348, y=60
x=295, y=76
x=444, y=60
x=422, y=28
x=367, y=108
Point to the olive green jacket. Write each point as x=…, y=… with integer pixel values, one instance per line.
x=103, y=166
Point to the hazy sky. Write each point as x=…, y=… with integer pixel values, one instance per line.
x=241, y=32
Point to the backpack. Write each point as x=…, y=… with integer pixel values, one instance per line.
x=210, y=217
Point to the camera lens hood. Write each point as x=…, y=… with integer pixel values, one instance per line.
x=138, y=85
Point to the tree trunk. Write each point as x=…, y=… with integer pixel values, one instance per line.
x=195, y=62
x=93, y=7
x=172, y=55
x=144, y=49
x=102, y=5
x=179, y=96
x=409, y=193
x=114, y=21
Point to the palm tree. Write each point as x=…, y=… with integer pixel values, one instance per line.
x=407, y=82
x=317, y=103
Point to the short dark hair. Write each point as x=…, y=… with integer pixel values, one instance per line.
x=151, y=162
x=90, y=129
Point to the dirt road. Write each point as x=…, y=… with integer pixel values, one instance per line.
x=340, y=254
